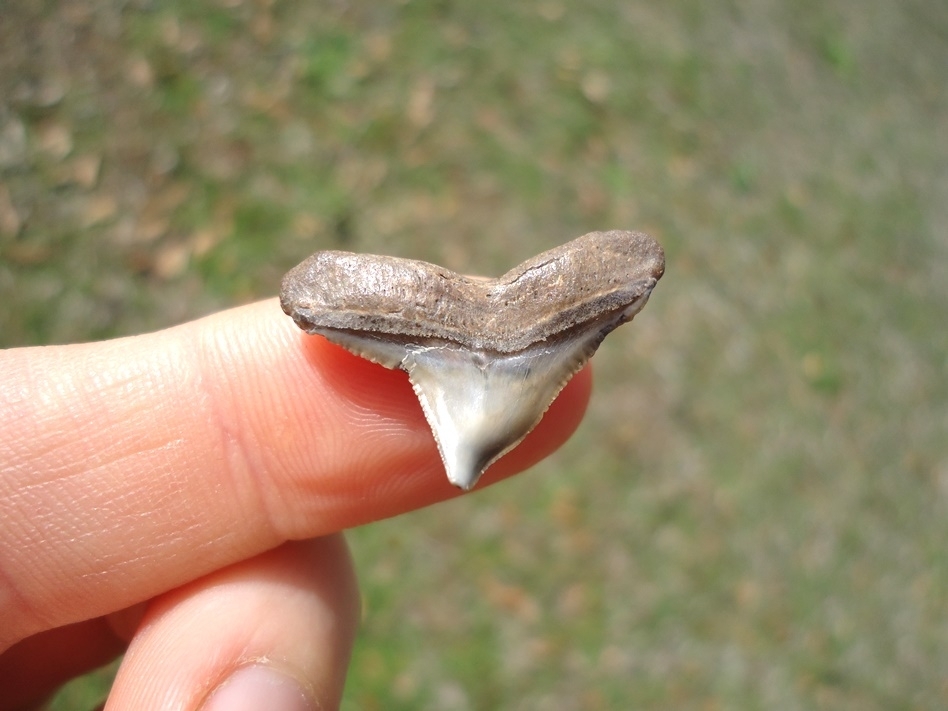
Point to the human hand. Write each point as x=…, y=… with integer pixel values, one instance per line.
x=180, y=494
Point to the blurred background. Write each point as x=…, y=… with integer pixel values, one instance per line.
x=755, y=512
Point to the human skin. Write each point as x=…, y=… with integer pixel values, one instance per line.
x=158, y=493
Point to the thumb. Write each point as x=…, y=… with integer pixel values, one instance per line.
x=130, y=467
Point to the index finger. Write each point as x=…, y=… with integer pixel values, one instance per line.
x=132, y=466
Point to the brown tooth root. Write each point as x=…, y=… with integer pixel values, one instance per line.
x=486, y=357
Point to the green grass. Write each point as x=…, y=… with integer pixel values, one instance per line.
x=754, y=513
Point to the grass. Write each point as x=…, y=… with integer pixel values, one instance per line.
x=754, y=513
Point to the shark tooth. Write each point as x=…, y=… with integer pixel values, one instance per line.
x=486, y=357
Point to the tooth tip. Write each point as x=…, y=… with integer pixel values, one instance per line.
x=463, y=485
x=460, y=474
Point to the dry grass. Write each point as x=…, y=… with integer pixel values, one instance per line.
x=754, y=514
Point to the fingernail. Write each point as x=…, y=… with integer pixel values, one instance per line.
x=258, y=687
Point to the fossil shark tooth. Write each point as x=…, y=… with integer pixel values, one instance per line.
x=486, y=357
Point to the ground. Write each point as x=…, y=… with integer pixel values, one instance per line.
x=755, y=512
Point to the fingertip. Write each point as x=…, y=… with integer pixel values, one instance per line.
x=402, y=470
x=203, y=445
